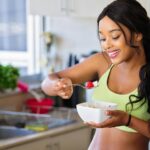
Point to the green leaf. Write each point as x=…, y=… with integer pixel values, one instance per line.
x=8, y=77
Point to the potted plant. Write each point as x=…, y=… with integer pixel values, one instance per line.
x=8, y=77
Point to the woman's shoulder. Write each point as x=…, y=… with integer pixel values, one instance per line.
x=91, y=68
x=101, y=61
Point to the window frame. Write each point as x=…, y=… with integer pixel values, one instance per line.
x=31, y=57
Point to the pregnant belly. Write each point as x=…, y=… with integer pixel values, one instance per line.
x=115, y=139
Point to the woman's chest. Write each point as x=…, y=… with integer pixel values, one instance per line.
x=121, y=83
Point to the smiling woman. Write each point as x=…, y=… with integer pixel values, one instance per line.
x=124, y=35
x=18, y=33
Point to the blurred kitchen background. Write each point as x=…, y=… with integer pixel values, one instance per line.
x=42, y=36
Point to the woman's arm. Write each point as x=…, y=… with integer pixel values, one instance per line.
x=59, y=83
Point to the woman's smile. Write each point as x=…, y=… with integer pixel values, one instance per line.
x=113, y=53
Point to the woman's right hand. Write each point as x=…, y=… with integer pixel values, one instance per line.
x=63, y=88
x=53, y=86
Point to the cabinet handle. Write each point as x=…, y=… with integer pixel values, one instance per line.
x=71, y=6
x=63, y=4
x=48, y=147
x=57, y=146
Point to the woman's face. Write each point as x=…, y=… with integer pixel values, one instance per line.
x=114, y=42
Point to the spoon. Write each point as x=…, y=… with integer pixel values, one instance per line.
x=89, y=85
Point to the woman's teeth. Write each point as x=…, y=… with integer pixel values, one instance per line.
x=113, y=54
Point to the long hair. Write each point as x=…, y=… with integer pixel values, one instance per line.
x=131, y=14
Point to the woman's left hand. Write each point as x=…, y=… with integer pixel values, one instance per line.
x=117, y=118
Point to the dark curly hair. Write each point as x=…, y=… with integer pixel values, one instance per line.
x=131, y=14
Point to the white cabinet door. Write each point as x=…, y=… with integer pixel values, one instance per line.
x=48, y=7
x=75, y=140
x=42, y=144
x=86, y=8
x=72, y=8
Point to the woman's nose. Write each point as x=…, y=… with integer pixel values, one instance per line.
x=107, y=44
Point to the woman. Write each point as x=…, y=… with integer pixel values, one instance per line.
x=123, y=71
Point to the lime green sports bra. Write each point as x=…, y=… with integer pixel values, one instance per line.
x=103, y=93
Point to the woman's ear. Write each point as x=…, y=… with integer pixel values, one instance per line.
x=138, y=37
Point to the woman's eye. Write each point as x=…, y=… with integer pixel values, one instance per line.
x=116, y=37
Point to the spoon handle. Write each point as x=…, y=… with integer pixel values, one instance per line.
x=80, y=85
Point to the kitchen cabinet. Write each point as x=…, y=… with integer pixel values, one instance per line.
x=72, y=8
x=42, y=144
x=73, y=140
x=48, y=7
x=77, y=140
x=86, y=8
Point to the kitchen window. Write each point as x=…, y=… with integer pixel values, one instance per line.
x=19, y=36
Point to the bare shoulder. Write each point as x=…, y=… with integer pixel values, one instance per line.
x=101, y=62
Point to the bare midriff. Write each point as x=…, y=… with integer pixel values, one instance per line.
x=115, y=139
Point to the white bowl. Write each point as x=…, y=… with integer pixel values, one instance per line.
x=94, y=111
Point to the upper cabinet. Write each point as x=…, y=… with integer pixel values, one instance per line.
x=86, y=8
x=47, y=7
x=72, y=8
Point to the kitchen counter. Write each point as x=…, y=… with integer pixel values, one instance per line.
x=13, y=142
x=4, y=144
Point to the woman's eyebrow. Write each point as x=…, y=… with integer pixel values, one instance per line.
x=111, y=30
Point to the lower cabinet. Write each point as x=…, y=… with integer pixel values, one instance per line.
x=41, y=144
x=75, y=140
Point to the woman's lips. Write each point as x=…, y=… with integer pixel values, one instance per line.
x=113, y=54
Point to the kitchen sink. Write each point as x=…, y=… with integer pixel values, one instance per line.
x=14, y=124
x=7, y=132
